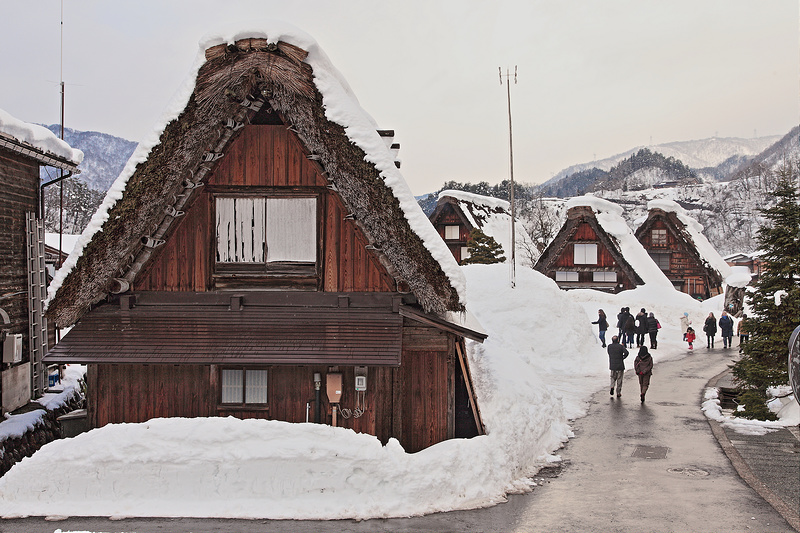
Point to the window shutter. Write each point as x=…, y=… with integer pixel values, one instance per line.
x=291, y=232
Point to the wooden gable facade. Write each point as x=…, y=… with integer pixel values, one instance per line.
x=20, y=200
x=584, y=256
x=276, y=290
x=453, y=227
x=671, y=247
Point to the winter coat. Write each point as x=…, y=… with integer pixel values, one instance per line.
x=602, y=323
x=643, y=364
x=652, y=324
x=690, y=336
x=630, y=324
x=616, y=354
x=641, y=323
x=685, y=322
x=710, y=327
x=726, y=325
x=621, y=319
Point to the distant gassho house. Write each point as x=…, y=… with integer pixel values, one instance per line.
x=264, y=260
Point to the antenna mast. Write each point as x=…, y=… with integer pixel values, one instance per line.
x=511, y=172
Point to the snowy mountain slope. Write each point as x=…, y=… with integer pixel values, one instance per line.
x=695, y=154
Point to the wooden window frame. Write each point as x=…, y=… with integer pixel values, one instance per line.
x=658, y=257
x=584, y=246
x=567, y=275
x=449, y=227
x=661, y=240
x=266, y=268
x=605, y=274
x=243, y=405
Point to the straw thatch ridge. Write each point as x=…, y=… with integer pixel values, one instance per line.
x=575, y=216
x=231, y=75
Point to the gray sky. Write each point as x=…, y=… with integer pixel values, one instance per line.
x=595, y=77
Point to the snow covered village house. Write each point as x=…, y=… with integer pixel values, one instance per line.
x=595, y=249
x=676, y=244
x=457, y=213
x=24, y=335
x=263, y=260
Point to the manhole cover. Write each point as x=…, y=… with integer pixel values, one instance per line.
x=650, y=452
x=691, y=472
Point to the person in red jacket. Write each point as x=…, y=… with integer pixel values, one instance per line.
x=690, y=337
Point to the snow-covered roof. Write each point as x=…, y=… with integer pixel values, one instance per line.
x=493, y=217
x=340, y=107
x=706, y=250
x=37, y=137
x=609, y=216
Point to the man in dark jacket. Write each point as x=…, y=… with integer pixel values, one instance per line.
x=726, y=325
x=616, y=364
x=641, y=327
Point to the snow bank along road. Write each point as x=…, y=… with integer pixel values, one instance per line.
x=654, y=467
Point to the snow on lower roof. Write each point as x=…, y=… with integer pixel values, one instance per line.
x=609, y=216
x=706, y=250
x=341, y=106
x=38, y=137
x=477, y=199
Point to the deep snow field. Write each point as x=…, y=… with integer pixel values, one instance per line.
x=533, y=375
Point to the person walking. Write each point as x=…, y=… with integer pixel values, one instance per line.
x=602, y=325
x=710, y=329
x=742, y=331
x=653, y=325
x=641, y=327
x=630, y=329
x=726, y=327
x=616, y=364
x=690, y=337
x=685, y=323
x=643, y=365
x=621, y=316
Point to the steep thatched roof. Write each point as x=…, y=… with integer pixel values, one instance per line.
x=234, y=82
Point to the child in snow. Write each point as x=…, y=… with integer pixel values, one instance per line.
x=690, y=337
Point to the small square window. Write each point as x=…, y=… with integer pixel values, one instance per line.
x=464, y=253
x=451, y=233
x=658, y=237
x=244, y=386
x=585, y=254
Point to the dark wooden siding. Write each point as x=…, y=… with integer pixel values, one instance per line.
x=19, y=194
x=448, y=216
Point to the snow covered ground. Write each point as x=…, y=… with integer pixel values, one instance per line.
x=535, y=373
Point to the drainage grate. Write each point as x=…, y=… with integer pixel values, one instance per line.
x=650, y=452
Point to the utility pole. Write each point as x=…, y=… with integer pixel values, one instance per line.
x=61, y=183
x=511, y=172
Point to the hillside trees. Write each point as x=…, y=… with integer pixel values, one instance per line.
x=776, y=300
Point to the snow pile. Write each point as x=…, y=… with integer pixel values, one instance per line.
x=609, y=216
x=15, y=426
x=67, y=241
x=38, y=137
x=788, y=413
x=706, y=250
x=341, y=107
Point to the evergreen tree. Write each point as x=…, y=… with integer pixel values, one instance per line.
x=776, y=300
x=483, y=249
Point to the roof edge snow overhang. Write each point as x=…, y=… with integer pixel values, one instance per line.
x=43, y=158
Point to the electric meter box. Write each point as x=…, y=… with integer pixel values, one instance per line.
x=334, y=387
x=361, y=378
x=12, y=348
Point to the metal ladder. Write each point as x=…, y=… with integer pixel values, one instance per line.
x=37, y=292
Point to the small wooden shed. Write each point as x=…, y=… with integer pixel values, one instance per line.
x=261, y=253
x=595, y=249
x=24, y=337
x=680, y=250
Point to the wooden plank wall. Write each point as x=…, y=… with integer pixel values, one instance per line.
x=186, y=261
x=683, y=263
x=413, y=403
x=19, y=194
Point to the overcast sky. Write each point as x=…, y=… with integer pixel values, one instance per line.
x=595, y=77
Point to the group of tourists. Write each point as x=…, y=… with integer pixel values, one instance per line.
x=634, y=328
x=630, y=329
x=710, y=324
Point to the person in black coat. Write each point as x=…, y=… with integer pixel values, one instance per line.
x=630, y=330
x=726, y=328
x=621, y=316
x=616, y=364
x=641, y=327
x=602, y=325
x=643, y=365
x=652, y=328
x=710, y=328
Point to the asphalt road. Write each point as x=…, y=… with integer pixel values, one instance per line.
x=631, y=468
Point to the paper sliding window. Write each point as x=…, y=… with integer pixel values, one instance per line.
x=244, y=386
x=566, y=275
x=451, y=232
x=266, y=230
x=604, y=276
x=585, y=254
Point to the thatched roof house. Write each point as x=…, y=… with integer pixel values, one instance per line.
x=263, y=249
x=595, y=249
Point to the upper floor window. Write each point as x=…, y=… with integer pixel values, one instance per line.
x=451, y=232
x=661, y=259
x=658, y=237
x=585, y=254
x=256, y=231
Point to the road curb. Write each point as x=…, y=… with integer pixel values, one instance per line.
x=744, y=470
